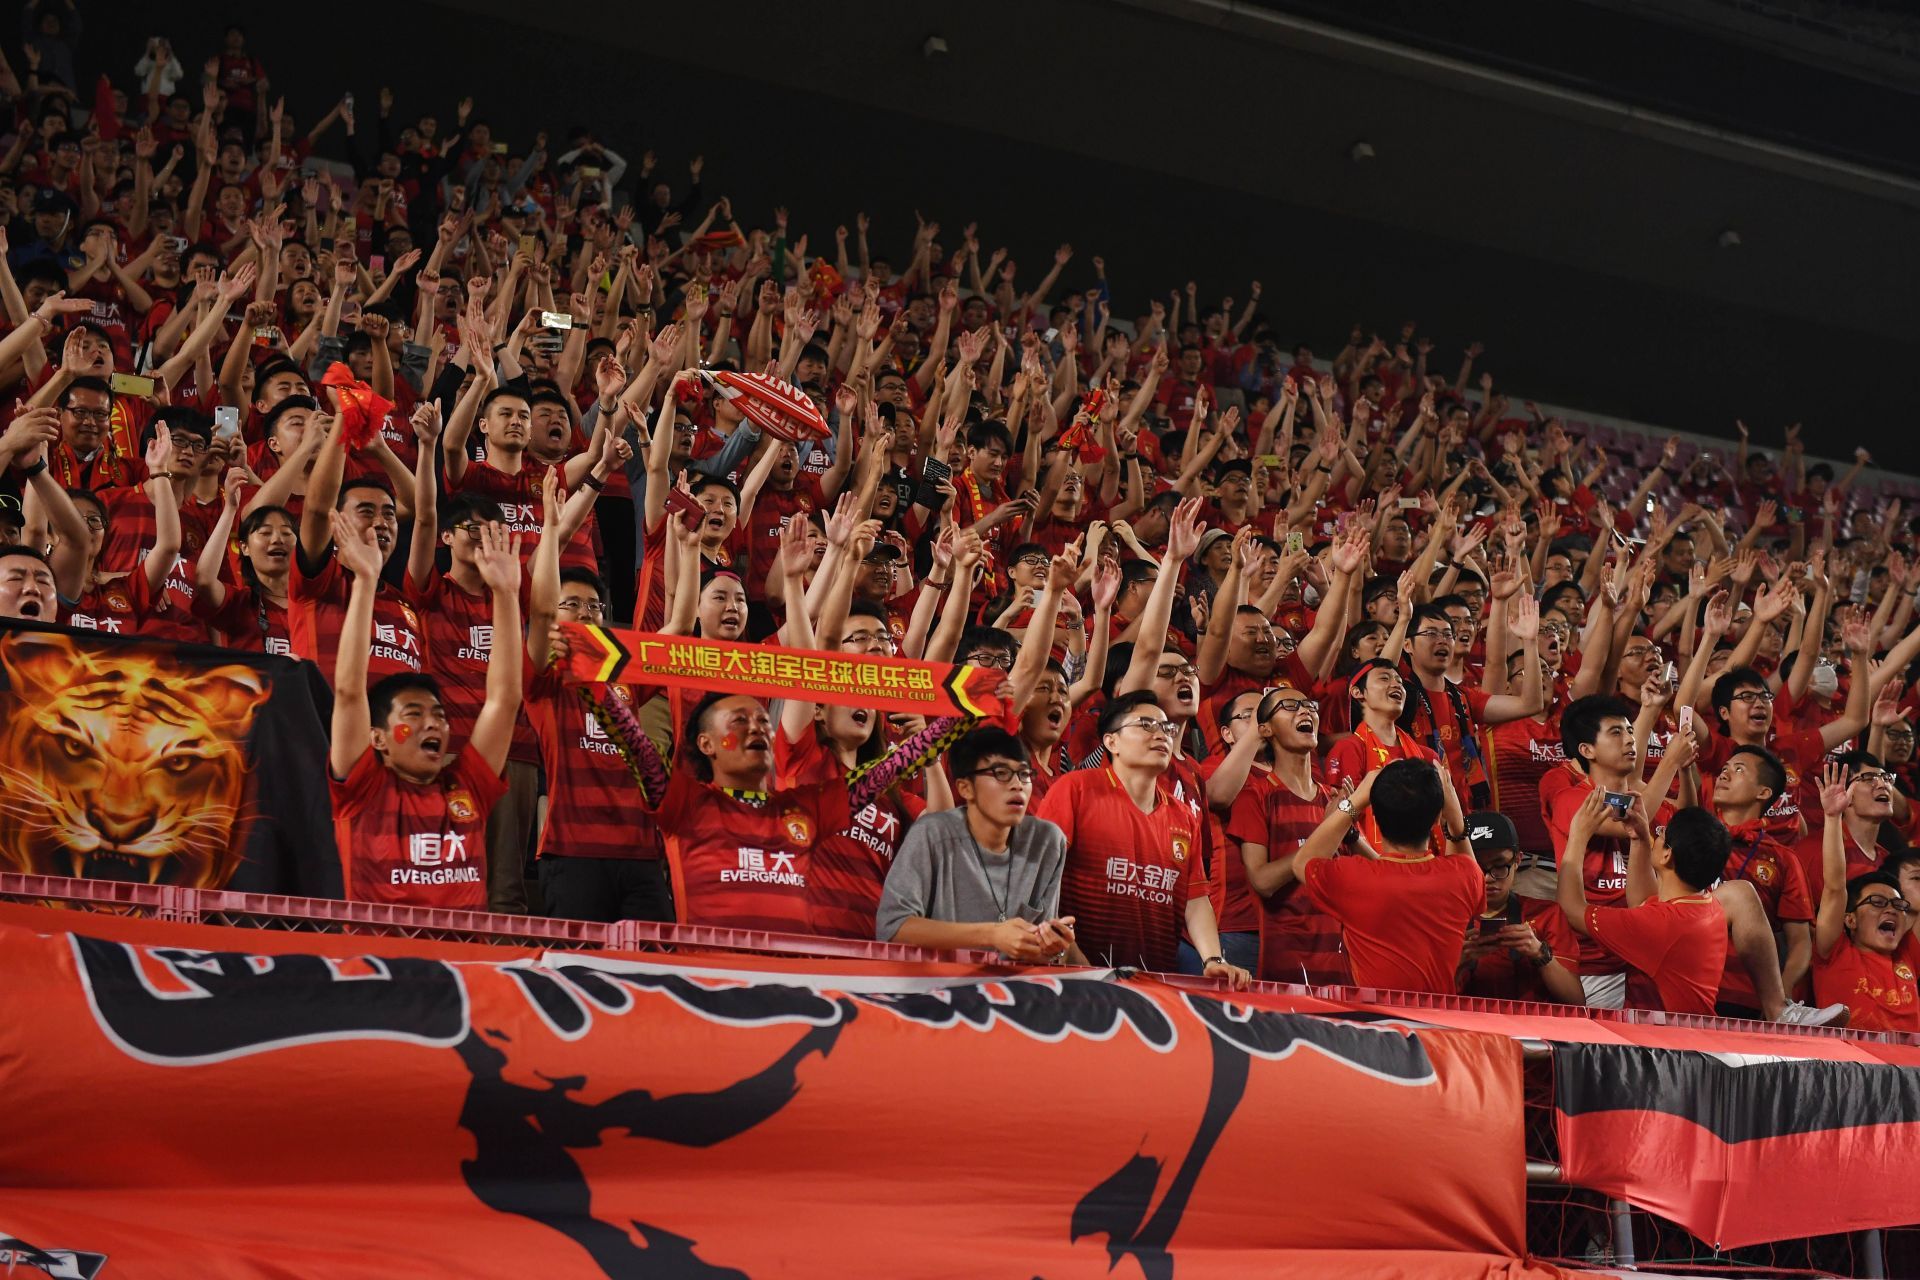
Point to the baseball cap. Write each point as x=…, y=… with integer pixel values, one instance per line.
x=1490, y=830
x=883, y=551
x=1207, y=540
x=48, y=200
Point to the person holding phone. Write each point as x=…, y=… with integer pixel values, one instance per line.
x=1522, y=948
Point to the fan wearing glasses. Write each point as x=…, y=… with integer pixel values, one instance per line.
x=985, y=875
x=1869, y=803
x=1864, y=952
x=1134, y=874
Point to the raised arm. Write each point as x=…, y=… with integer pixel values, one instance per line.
x=359, y=551
x=498, y=560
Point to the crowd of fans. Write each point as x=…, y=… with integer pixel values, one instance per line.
x=1327, y=671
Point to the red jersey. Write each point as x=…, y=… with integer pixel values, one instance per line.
x=1878, y=988
x=850, y=864
x=740, y=864
x=1523, y=751
x=1298, y=943
x=417, y=844
x=131, y=531
x=1498, y=975
x=1859, y=861
x=247, y=620
x=317, y=609
x=117, y=607
x=1680, y=943
x=1287, y=669
x=520, y=507
x=1775, y=873
x=1801, y=754
x=1129, y=875
x=1562, y=792
x=1436, y=721
x=458, y=630
x=771, y=511
x=1405, y=919
x=594, y=805
x=1235, y=902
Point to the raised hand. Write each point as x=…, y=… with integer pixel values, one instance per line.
x=358, y=549
x=497, y=558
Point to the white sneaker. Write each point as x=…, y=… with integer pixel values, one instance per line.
x=1805, y=1015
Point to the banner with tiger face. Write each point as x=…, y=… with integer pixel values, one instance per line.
x=162, y=764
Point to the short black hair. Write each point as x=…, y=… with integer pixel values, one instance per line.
x=1876, y=878
x=585, y=577
x=384, y=691
x=1580, y=723
x=1773, y=774
x=981, y=434
x=980, y=637
x=1121, y=707
x=701, y=482
x=273, y=415
x=1700, y=846
x=1407, y=799
x=512, y=391
x=1733, y=681
x=348, y=485
x=984, y=744
x=460, y=507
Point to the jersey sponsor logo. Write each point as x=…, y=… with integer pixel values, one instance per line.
x=275, y=644
x=764, y=866
x=1129, y=879
x=437, y=848
x=89, y=623
x=798, y=826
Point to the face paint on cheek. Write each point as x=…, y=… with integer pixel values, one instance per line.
x=402, y=732
x=730, y=742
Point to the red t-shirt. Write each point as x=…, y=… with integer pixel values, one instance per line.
x=418, y=844
x=118, y=607
x=317, y=609
x=1443, y=721
x=1287, y=669
x=771, y=511
x=1297, y=942
x=1681, y=944
x=520, y=506
x=459, y=647
x=131, y=531
x=1235, y=902
x=1800, y=752
x=594, y=805
x=1859, y=861
x=1879, y=989
x=1499, y=976
x=1129, y=875
x=742, y=865
x=247, y=620
x=1775, y=874
x=850, y=864
x=1523, y=751
x=1405, y=921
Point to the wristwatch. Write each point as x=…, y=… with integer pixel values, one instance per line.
x=1545, y=957
x=1345, y=806
x=1213, y=960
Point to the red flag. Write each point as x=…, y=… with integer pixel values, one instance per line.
x=361, y=411
x=103, y=112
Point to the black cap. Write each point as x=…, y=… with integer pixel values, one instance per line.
x=883, y=551
x=48, y=200
x=1489, y=830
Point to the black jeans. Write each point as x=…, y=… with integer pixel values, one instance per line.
x=607, y=889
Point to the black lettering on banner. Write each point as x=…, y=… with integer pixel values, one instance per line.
x=228, y=1004
x=1044, y=1008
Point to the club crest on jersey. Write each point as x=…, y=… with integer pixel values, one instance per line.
x=620, y=691
x=118, y=601
x=406, y=611
x=1903, y=971
x=1180, y=846
x=799, y=830
x=1764, y=872
x=461, y=808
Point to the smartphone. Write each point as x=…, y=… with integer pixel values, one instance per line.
x=556, y=319
x=1050, y=335
x=1494, y=925
x=1686, y=719
x=678, y=500
x=177, y=243
x=1296, y=543
x=499, y=148
x=1409, y=504
x=1673, y=674
x=131, y=384
x=1619, y=802
x=527, y=244
x=226, y=420
x=347, y=101
x=589, y=171
x=1270, y=460
x=376, y=262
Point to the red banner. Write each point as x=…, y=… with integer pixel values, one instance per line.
x=210, y=1110
x=931, y=689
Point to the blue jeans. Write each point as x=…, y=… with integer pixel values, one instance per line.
x=1241, y=949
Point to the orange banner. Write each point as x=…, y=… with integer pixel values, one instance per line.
x=213, y=1111
x=931, y=689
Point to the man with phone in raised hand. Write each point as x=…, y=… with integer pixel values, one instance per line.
x=985, y=874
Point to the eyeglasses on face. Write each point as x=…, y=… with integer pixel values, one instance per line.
x=91, y=415
x=1872, y=777
x=866, y=640
x=1434, y=633
x=996, y=660
x=1005, y=774
x=1498, y=871
x=1165, y=728
x=1292, y=706
x=1881, y=902
x=1752, y=695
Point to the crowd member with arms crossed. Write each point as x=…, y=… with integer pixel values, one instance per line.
x=410, y=805
x=1406, y=912
x=986, y=874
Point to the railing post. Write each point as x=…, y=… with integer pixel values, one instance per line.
x=1622, y=1215
x=1870, y=1246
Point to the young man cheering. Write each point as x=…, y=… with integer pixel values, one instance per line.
x=410, y=806
x=986, y=874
